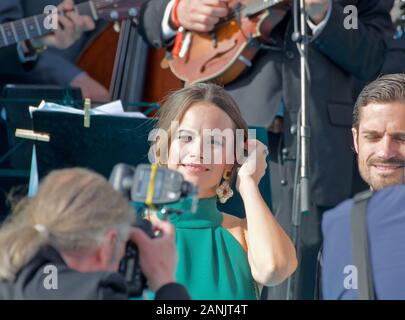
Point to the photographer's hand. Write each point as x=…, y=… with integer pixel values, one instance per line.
x=158, y=256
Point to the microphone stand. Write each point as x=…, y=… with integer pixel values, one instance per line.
x=301, y=198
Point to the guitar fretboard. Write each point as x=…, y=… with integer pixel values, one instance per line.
x=33, y=27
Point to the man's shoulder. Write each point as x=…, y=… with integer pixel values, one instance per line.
x=64, y=285
x=69, y=284
x=46, y=276
x=388, y=200
x=393, y=195
x=338, y=214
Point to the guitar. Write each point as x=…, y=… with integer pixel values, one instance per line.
x=223, y=54
x=33, y=27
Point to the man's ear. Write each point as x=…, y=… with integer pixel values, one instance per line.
x=106, y=250
x=355, y=140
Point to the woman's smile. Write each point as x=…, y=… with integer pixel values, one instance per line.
x=194, y=168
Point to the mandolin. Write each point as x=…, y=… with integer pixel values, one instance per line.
x=223, y=54
x=111, y=10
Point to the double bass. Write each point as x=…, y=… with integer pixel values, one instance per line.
x=103, y=56
x=121, y=61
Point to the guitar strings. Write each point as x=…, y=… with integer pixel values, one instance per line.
x=236, y=12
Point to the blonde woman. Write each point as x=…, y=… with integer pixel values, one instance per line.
x=220, y=255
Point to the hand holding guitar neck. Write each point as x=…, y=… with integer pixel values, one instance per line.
x=73, y=20
x=201, y=15
x=70, y=28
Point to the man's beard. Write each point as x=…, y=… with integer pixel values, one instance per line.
x=382, y=182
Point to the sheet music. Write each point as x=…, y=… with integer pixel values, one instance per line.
x=113, y=108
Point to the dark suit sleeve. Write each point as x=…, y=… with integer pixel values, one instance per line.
x=151, y=22
x=358, y=51
x=10, y=10
x=10, y=63
x=53, y=68
x=172, y=291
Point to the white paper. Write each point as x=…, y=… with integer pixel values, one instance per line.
x=112, y=108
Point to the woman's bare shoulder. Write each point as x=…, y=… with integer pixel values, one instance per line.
x=231, y=221
x=237, y=227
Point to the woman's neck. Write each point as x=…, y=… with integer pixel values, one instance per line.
x=207, y=193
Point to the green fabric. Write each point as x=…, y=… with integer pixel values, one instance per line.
x=212, y=263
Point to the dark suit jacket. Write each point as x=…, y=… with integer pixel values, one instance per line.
x=54, y=66
x=386, y=222
x=29, y=283
x=395, y=58
x=336, y=57
x=10, y=62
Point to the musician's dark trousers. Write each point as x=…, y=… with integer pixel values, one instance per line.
x=282, y=182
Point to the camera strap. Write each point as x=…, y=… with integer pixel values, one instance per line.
x=151, y=186
x=360, y=246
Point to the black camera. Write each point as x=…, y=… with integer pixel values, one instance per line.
x=129, y=265
x=149, y=188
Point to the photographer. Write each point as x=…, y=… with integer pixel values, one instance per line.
x=67, y=242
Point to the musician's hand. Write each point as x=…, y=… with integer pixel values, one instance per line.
x=90, y=88
x=70, y=28
x=317, y=9
x=201, y=15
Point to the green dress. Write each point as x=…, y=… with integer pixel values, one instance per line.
x=212, y=263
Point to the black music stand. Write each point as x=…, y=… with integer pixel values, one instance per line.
x=16, y=99
x=111, y=139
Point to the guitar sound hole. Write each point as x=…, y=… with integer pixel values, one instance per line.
x=217, y=55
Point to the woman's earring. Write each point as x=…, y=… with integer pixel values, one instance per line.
x=224, y=190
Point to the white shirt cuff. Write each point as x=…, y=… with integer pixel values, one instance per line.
x=317, y=28
x=167, y=31
x=23, y=57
